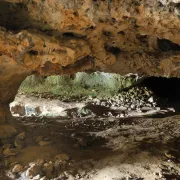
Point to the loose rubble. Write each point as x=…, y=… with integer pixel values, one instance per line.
x=135, y=102
x=42, y=169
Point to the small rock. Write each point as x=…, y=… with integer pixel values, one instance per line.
x=18, y=109
x=60, y=165
x=37, y=177
x=151, y=100
x=48, y=169
x=17, y=168
x=19, y=141
x=43, y=178
x=9, y=152
x=169, y=155
x=21, y=136
x=63, y=157
x=34, y=169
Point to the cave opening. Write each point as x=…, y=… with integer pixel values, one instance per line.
x=110, y=94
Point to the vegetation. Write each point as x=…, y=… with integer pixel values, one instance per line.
x=83, y=85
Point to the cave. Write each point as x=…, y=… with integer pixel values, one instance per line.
x=125, y=126
x=164, y=87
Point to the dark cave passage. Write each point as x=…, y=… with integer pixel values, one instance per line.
x=166, y=45
x=168, y=88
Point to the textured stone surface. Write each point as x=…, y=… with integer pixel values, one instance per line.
x=54, y=37
x=63, y=37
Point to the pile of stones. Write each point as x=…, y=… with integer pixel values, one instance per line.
x=41, y=169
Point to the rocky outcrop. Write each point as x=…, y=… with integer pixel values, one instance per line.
x=64, y=37
x=54, y=37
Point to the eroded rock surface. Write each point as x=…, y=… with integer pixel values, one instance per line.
x=64, y=37
x=55, y=37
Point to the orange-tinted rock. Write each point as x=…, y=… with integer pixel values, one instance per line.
x=63, y=37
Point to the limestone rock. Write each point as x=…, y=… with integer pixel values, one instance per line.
x=34, y=169
x=48, y=169
x=119, y=36
x=62, y=157
x=21, y=136
x=37, y=177
x=17, y=168
x=10, y=152
x=59, y=165
x=18, y=109
x=19, y=140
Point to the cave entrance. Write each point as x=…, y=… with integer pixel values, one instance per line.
x=96, y=94
x=80, y=93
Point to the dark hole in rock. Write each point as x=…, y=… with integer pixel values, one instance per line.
x=73, y=35
x=69, y=34
x=121, y=32
x=112, y=49
x=167, y=45
x=164, y=87
x=107, y=33
x=142, y=38
x=33, y=52
x=13, y=16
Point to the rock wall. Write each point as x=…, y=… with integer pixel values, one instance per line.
x=64, y=37
x=55, y=37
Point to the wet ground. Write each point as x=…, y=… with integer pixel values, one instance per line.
x=105, y=148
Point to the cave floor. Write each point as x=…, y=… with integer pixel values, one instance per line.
x=103, y=148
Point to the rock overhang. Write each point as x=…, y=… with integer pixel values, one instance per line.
x=65, y=37
x=57, y=37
